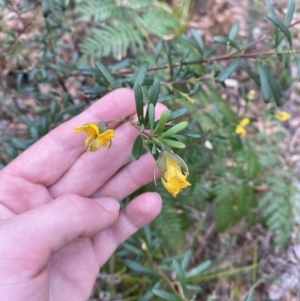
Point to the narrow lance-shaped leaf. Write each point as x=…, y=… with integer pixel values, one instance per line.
x=139, y=102
x=263, y=82
x=173, y=143
x=270, y=6
x=166, y=295
x=141, y=74
x=274, y=88
x=281, y=26
x=176, y=114
x=250, y=296
x=229, y=70
x=154, y=93
x=175, y=129
x=189, y=133
x=233, y=31
x=225, y=41
x=290, y=13
x=162, y=122
x=107, y=75
x=137, y=148
x=198, y=270
x=180, y=275
x=198, y=39
x=298, y=65
x=151, y=116
x=153, y=97
x=169, y=56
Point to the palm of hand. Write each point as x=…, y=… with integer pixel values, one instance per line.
x=53, y=235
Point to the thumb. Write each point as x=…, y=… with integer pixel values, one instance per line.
x=48, y=228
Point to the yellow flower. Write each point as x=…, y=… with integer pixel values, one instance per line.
x=96, y=135
x=282, y=116
x=173, y=172
x=240, y=129
x=251, y=94
x=244, y=122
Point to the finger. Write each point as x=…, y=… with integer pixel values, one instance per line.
x=48, y=228
x=139, y=212
x=128, y=179
x=50, y=157
x=92, y=170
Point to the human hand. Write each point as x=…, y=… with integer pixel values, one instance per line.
x=59, y=210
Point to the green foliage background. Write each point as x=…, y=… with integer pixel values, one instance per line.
x=151, y=42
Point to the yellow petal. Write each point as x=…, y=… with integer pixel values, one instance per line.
x=240, y=131
x=173, y=179
x=105, y=137
x=101, y=140
x=244, y=122
x=282, y=116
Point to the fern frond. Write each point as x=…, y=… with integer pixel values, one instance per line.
x=170, y=222
x=99, y=11
x=277, y=209
x=112, y=39
x=232, y=202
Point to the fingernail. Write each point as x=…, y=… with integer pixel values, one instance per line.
x=110, y=205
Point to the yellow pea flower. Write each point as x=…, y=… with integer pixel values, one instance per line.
x=96, y=135
x=244, y=122
x=251, y=94
x=173, y=172
x=240, y=129
x=282, y=116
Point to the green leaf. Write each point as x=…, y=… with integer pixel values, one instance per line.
x=154, y=93
x=141, y=74
x=172, y=143
x=264, y=83
x=250, y=73
x=225, y=41
x=298, y=65
x=186, y=132
x=250, y=296
x=274, y=88
x=175, y=129
x=186, y=259
x=11, y=151
x=180, y=275
x=107, y=75
x=233, y=31
x=189, y=133
x=169, y=56
x=137, y=148
x=198, y=39
x=17, y=143
x=151, y=116
x=177, y=113
x=45, y=7
x=281, y=26
x=199, y=269
x=165, y=295
x=160, y=126
x=270, y=6
x=34, y=132
x=290, y=13
x=229, y=70
x=26, y=120
x=139, y=102
x=139, y=268
x=167, y=97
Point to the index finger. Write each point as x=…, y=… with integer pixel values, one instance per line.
x=49, y=158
